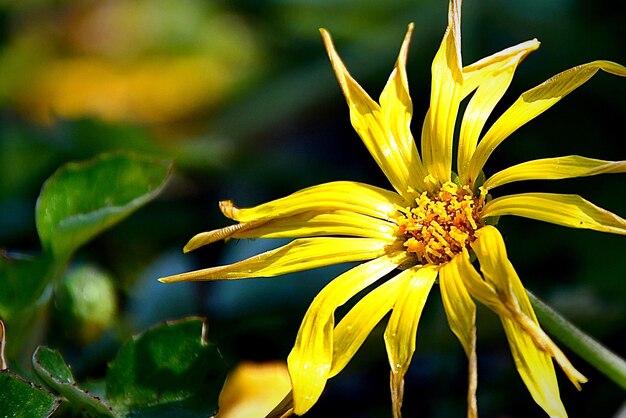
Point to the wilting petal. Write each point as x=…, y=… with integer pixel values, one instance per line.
x=461, y=313
x=370, y=122
x=311, y=357
x=534, y=102
x=300, y=254
x=492, y=86
x=356, y=325
x=554, y=169
x=337, y=195
x=445, y=96
x=530, y=346
x=306, y=224
x=561, y=209
x=401, y=329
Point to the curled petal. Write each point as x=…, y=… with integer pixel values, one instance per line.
x=298, y=255
x=534, y=102
x=338, y=195
x=493, y=81
x=561, y=209
x=310, y=360
x=530, y=346
x=554, y=169
x=390, y=145
x=401, y=329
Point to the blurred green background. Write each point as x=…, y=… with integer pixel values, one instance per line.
x=241, y=95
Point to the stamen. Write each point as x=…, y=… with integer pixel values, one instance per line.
x=442, y=224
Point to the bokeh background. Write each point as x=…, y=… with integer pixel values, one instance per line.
x=241, y=95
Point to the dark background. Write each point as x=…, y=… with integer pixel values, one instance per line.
x=241, y=95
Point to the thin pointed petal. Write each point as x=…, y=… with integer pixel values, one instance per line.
x=311, y=357
x=461, y=313
x=370, y=122
x=492, y=86
x=534, y=102
x=445, y=97
x=298, y=255
x=401, y=330
x=530, y=346
x=356, y=325
x=554, y=169
x=338, y=195
x=561, y=209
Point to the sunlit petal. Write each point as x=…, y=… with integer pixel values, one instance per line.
x=530, y=346
x=371, y=123
x=357, y=324
x=445, y=96
x=461, y=313
x=554, y=169
x=300, y=254
x=337, y=195
x=492, y=86
x=306, y=224
x=534, y=102
x=401, y=329
x=561, y=209
x=311, y=357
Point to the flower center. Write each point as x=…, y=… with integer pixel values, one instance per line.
x=441, y=225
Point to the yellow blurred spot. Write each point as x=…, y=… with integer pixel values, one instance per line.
x=254, y=389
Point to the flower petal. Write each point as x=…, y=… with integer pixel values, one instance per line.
x=461, y=313
x=306, y=224
x=493, y=83
x=534, y=102
x=337, y=195
x=300, y=254
x=445, y=96
x=371, y=122
x=401, y=329
x=554, y=169
x=397, y=111
x=530, y=346
x=561, y=209
x=356, y=325
x=311, y=357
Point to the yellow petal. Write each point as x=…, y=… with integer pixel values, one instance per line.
x=461, y=313
x=339, y=195
x=554, y=169
x=445, y=96
x=475, y=73
x=530, y=346
x=561, y=209
x=493, y=83
x=534, y=102
x=401, y=329
x=300, y=254
x=306, y=224
x=371, y=123
x=323, y=223
x=356, y=325
x=311, y=357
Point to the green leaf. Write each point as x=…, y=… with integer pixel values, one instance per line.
x=50, y=366
x=80, y=200
x=170, y=370
x=20, y=398
x=22, y=281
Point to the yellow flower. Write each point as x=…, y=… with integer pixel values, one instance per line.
x=429, y=227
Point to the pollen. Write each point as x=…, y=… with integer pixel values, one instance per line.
x=441, y=224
